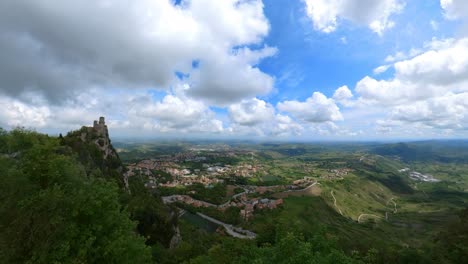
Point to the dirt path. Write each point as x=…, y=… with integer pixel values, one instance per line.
x=361, y=215
x=334, y=203
x=395, y=210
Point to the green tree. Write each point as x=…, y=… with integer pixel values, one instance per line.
x=52, y=212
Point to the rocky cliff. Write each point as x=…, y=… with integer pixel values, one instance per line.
x=94, y=149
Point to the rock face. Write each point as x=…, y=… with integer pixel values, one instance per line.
x=176, y=238
x=94, y=150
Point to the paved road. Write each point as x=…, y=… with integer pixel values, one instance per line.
x=230, y=229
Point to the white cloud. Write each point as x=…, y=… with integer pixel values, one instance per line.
x=316, y=109
x=251, y=112
x=432, y=73
x=326, y=14
x=400, y=55
x=285, y=126
x=126, y=113
x=427, y=91
x=174, y=112
x=222, y=79
x=454, y=9
x=448, y=112
x=258, y=117
x=16, y=113
x=63, y=48
x=438, y=66
x=381, y=69
x=342, y=93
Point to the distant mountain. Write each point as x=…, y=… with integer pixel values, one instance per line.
x=443, y=151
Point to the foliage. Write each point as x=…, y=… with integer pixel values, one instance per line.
x=289, y=248
x=451, y=245
x=155, y=221
x=216, y=194
x=52, y=212
x=91, y=157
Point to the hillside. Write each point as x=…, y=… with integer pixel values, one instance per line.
x=94, y=150
x=63, y=201
x=369, y=205
x=72, y=200
x=438, y=151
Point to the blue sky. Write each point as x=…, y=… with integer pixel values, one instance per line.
x=320, y=61
x=286, y=70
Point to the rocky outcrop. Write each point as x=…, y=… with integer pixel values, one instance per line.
x=176, y=238
x=94, y=149
x=99, y=134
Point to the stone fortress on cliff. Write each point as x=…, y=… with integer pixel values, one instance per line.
x=100, y=136
x=100, y=128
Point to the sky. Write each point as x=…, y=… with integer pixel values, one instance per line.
x=237, y=69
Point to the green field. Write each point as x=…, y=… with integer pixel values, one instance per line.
x=371, y=206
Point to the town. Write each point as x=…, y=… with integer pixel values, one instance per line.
x=188, y=169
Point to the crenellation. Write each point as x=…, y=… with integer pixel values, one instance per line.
x=100, y=127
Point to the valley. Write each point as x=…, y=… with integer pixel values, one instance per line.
x=257, y=187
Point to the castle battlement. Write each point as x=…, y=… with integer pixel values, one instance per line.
x=100, y=127
x=98, y=134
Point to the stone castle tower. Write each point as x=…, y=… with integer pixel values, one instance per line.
x=100, y=127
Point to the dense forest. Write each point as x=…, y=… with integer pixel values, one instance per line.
x=63, y=203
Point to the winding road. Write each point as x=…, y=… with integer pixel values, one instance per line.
x=230, y=229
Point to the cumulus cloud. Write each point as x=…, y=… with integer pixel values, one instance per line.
x=432, y=73
x=258, y=117
x=448, y=111
x=174, y=112
x=126, y=113
x=251, y=112
x=16, y=113
x=454, y=9
x=342, y=93
x=428, y=90
x=285, y=126
x=225, y=79
x=316, y=109
x=326, y=14
x=442, y=66
x=62, y=48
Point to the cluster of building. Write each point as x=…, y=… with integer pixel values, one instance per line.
x=338, y=173
x=417, y=176
x=246, y=170
x=207, y=174
x=250, y=205
x=304, y=181
x=190, y=180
